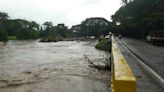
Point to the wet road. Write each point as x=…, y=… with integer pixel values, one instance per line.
x=30, y=66
x=152, y=55
x=145, y=81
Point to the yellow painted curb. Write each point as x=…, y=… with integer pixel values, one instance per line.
x=123, y=79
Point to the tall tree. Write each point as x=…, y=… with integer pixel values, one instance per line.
x=94, y=27
x=3, y=16
x=48, y=25
x=3, y=19
x=139, y=17
x=3, y=34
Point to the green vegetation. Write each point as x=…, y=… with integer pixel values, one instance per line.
x=17, y=28
x=104, y=44
x=137, y=18
x=95, y=26
x=3, y=34
x=12, y=38
x=20, y=29
x=59, y=31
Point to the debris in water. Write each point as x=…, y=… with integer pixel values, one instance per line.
x=98, y=65
x=27, y=72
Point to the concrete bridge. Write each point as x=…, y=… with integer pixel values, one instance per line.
x=144, y=66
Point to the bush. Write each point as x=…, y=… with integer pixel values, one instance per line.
x=104, y=44
x=12, y=38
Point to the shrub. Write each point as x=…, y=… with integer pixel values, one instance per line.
x=104, y=44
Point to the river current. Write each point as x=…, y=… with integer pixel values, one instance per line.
x=30, y=66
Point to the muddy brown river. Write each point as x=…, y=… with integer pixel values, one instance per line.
x=30, y=66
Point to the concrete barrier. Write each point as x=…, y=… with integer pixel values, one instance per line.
x=123, y=79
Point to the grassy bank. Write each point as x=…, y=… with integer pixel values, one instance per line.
x=104, y=44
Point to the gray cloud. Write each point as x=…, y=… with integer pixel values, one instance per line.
x=90, y=2
x=70, y=12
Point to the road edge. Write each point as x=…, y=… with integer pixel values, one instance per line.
x=157, y=77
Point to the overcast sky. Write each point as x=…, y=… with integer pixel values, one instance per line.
x=70, y=12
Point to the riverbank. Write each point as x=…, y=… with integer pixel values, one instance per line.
x=66, y=39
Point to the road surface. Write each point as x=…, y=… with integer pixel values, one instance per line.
x=145, y=81
x=153, y=56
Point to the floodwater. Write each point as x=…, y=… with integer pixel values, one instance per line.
x=30, y=66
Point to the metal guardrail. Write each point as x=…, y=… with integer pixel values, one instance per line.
x=123, y=79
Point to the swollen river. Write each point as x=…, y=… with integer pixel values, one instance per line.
x=30, y=66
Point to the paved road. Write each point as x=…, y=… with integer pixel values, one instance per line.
x=145, y=83
x=152, y=55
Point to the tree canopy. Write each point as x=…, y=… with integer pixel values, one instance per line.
x=52, y=32
x=139, y=17
x=3, y=33
x=94, y=26
x=24, y=29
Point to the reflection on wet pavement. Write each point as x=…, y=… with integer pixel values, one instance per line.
x=29, y=66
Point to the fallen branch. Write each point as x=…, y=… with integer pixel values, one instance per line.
x=99, y=67
x=89, y=61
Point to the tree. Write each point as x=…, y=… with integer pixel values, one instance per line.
x=20, y=28
x=3, y=16
x=48, y=25
x=139, y=17
x=55, y=32
x=3, y=19
x=26, y=30
x=3, y=34
x=47, y=29
x=94, y=27
x=62, y=30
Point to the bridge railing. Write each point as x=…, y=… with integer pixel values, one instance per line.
x=123, y=79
